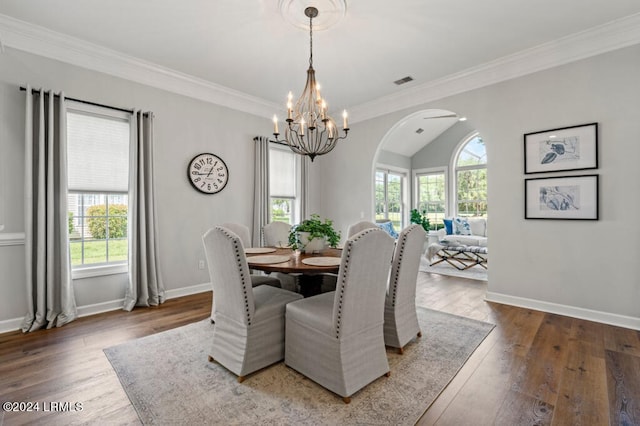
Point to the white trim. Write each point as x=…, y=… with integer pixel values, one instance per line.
x=41, y=41
x=12, y=239
x=570, y=311
x=112, y=305
x=617, y=34
x=38, y=40
x=80, y=273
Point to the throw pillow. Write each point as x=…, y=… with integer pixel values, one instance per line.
x=388, y=226
x=461, y=226
x=448, y=226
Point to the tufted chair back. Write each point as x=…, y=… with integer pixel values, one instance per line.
x=229, y=274
x=405, y=265
x=362, y=280
x=241, y=231
x=359, y=226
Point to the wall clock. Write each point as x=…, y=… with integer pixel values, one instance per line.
x=208, y=173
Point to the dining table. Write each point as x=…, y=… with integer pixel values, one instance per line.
x=310, y=267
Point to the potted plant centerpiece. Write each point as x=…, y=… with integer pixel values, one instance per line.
x=313, y=235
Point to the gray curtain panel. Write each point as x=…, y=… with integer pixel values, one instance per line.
x=145, y=282
x=50, y=297
x=261, y=202
x=304, y=187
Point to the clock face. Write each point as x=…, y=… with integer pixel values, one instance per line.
x=208, y=173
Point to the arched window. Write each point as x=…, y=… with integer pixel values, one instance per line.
x=471, y=178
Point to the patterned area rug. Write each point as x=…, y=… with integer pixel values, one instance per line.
x=169, y=380
x=443, y=268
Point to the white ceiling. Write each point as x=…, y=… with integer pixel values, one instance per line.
x=250, y=48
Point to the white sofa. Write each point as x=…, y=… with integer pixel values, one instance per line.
x=478, y=237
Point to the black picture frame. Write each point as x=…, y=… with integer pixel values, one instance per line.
x=561, y=149
x=562, y=197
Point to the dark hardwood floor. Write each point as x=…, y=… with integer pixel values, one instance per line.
x=534, y=368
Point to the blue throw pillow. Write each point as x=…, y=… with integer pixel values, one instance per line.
x=461, y=226
x=448, y=226
x=388, y=226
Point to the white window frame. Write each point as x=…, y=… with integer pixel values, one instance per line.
x=404, y=190
x=102, y=269
x=432, y=171
x=453, y=205
x=297, y=199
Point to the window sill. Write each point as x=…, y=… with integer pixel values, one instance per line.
x=98, y=271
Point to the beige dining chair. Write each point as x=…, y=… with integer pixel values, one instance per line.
x=400, y=318
x=242, y=232
x=249, y=330
x=276, y=234
x=359, y=226
x=336, y=338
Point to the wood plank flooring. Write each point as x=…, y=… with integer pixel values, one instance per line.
x=534, y=368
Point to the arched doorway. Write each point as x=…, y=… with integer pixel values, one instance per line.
x=415, y=166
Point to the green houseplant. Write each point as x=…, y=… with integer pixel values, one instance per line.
x=302, y=235
x=420, y=219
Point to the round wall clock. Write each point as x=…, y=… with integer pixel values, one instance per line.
x=208, y=173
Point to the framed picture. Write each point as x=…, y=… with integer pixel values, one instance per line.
x=567, y=148
x=567, y=197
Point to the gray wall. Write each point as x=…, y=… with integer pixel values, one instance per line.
x=183, y=128
x=563, y=266
x=438, y=152
x=392, y=159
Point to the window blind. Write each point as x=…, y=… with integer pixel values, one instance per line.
x=282, y=173
x=97, y=153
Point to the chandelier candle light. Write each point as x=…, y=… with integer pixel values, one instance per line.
x=309, y=130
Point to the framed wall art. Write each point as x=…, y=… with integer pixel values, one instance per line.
x=566, y=197
x=563, y=149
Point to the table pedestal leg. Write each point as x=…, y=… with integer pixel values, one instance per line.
x=310, y=285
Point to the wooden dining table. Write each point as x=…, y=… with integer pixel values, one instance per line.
x=310, y=279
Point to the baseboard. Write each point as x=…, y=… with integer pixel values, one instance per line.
x=10, y=325
x=112, y=305
x=569, y=311
x=187, y=291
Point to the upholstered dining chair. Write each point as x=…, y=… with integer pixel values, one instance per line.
x=249, y=330
x=359, y=226
x=400, y=318
x=336, y=338
x=241, y=231
x=256, y=279
x=276, y=234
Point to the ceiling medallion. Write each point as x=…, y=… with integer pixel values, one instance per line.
x=330, y=13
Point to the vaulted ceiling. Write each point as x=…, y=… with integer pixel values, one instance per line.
x=250, y=52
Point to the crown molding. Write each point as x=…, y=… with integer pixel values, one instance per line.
x=614, y=35
x=40, y=41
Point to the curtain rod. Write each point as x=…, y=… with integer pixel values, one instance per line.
x=24, y=89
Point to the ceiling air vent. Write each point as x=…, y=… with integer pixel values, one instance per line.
x=420, y=130
x=404, y=80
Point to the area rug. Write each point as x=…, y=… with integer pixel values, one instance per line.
x=443, y=268
x=169, y=380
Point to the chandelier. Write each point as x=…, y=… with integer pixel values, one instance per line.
x=309, y=130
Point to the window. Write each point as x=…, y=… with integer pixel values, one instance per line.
x=471, y=178
x=98, y=178
x=390, y=196
x=431, y=196
x=284, y=187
